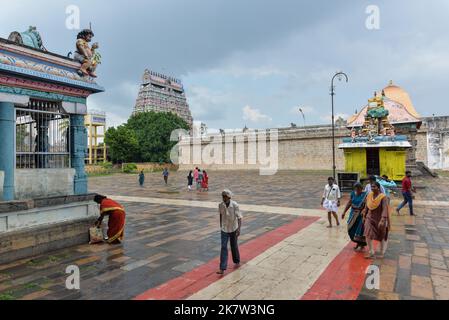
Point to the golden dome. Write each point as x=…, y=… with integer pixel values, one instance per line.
x=396, y=93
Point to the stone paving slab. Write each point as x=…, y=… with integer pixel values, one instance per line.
x=170, y=230
x=284, y=272
x=123, y=271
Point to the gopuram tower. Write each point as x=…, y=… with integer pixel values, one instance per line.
x=162, y=93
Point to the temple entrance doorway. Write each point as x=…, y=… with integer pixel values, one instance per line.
x=372, y=161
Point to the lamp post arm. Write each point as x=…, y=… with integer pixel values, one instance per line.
x=338, y=74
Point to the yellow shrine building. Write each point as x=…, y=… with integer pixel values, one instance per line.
x=382, y=135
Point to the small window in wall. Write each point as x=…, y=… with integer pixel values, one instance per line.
x=42, y=136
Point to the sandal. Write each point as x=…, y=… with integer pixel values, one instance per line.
x=370, y=256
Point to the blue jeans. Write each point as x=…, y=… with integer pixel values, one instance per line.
x=232, y=237
x=408, y=198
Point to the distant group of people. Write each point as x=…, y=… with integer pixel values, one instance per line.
x=369, y=217
x=165, y=174
x=200, y=178
x=197, y=176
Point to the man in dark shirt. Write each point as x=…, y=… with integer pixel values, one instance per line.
x=407, y=190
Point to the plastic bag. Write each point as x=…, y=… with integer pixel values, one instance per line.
x=95, y=235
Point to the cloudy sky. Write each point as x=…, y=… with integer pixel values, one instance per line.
x=255, y=62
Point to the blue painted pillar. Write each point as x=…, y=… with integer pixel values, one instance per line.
x=78, y=147
x=7, y=152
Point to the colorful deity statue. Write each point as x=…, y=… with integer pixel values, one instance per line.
x=87, y=56
x=376, y=107
x=30, y=38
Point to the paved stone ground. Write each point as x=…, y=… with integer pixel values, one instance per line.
x=164, y=241
x=416, y=265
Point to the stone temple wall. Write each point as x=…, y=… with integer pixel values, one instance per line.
x=308, y=148
x=437, y=134
x=297, y=149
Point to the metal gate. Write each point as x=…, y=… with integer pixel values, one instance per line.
x=42, y=135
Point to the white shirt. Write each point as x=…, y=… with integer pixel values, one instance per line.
x=229, y=216
x=331, y=193
x=368, y=188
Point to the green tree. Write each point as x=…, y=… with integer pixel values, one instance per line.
x=123, y=144
x=145, y=137
x=153, y=130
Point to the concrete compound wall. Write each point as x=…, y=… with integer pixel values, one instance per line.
x=297, y=149
x=39, y=183
x=309, y=148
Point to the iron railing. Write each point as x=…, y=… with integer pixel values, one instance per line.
x=42, y=136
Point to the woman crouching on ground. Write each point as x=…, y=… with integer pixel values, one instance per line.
x=116, y=223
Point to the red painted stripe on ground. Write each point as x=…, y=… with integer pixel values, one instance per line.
x=343, y=278
x=204, y=275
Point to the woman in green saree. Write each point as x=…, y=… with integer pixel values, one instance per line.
x=355, y=220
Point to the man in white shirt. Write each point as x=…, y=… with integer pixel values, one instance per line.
x=230, y=224
x=371, y=180
x=331, y=200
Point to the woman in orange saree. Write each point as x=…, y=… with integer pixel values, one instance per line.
x=116, y=223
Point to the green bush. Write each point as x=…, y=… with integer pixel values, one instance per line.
x=106, y=165
x=129, y=167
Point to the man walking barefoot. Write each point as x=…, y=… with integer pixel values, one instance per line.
x=331, y=200
x=230, y=223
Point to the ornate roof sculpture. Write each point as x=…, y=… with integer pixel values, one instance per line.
x=30, y=38
x=398, y=104
x=373, y=126
x=26, y=65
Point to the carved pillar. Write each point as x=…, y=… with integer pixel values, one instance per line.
x=78, y=147
x=7, y=152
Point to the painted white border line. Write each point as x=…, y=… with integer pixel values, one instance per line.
x=283, y=272
x=214, y=205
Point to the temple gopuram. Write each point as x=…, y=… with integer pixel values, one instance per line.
x=44, y=201
x=383, y=136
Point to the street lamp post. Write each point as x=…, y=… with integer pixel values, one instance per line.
x=303, y=116
x=339, y=75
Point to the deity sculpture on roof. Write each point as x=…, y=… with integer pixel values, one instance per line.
x=376, y=118
x=87, y=56
x=30, y=37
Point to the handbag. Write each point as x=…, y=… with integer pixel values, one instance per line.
x=95, y=235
